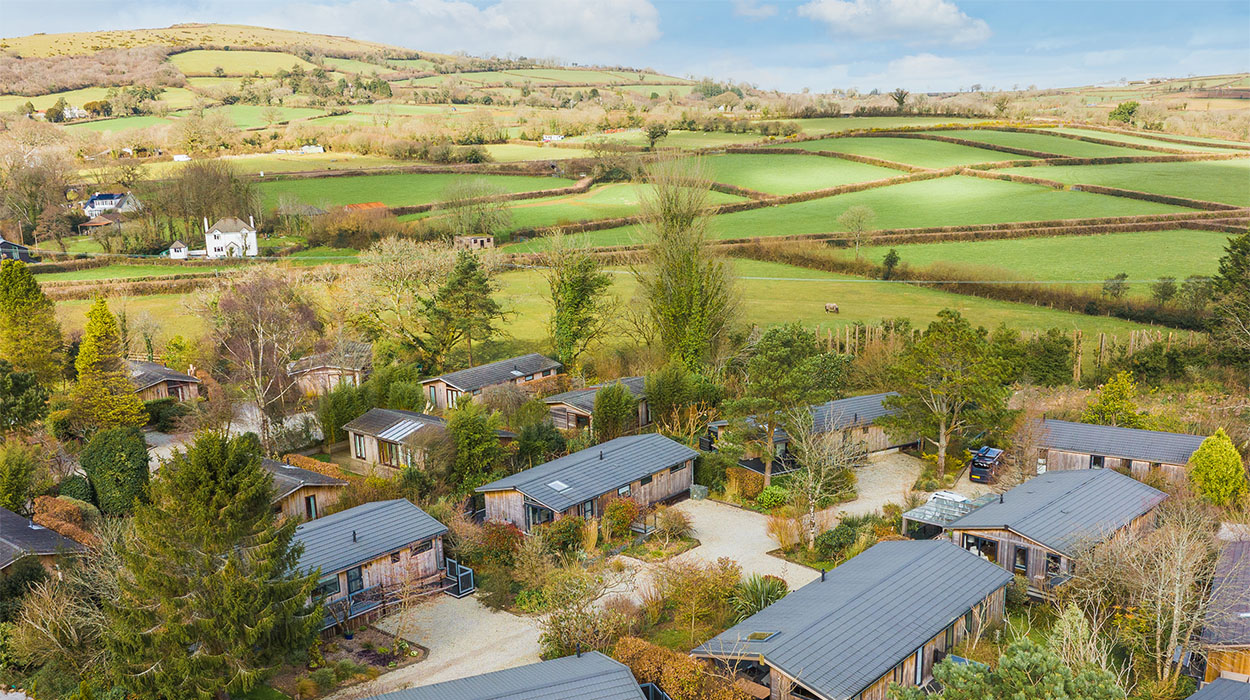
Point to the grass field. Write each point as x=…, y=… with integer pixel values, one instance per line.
x=248, y=116
x=234, y=35
x=394, y=189
x=926, y=154
x=1043, y=142
x=509, y=152
x=834, y=125
x=173, y=313
x=1145, y=256
x=175, y=97
x=120, y=124
x=1140, y=140
x=348, y=65
x=109, y=272
x=215, y=82
x=945, y=201
x=786, y=173
x=1226, y=181
x=411, y=63
x=206, y=61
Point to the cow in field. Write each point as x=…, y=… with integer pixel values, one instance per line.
x=831, y=308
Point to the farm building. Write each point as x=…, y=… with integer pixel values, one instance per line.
x=885, y=616
x=856, y=417
x=102, y=221
x=445, y=390
x=177, y=250
x=347, y=363
x=589, y=676
x=361, y=554
x=1066, y=445
x=156, y=381
x=1224, y=689
x=473, y=242
x=575, y=409
x=1226, y=636
x=368, y=209
x=393, y=438
x=301, y=493
x=15, y=251
x=1037, y=527
x=22, y=537
x=647, y=468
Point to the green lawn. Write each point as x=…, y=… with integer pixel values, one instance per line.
x=833, y=125
x=205, y=61
x=323, y=254
x=788, y=173
x=1226, y=181
x=944, y=201
x=394, y=190
x=82, y=244
x=1139, y=140
x=1043, y=142
x=173, y=313
x=120, y=124
x=926, y=154
x=1145, y=256
x=348, y=65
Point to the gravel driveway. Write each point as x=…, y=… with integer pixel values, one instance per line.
x=886, y=479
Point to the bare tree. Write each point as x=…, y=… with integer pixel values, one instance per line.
x=857, y=221
x=826, y=463
x=474, y=207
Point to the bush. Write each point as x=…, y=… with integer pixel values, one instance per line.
x=772, y=497
x=116, y=462
x=788, y=532
x=618, y=515
x=564, y=535
x=499, y=542
x=163, y=414
x=324, y=678
x=1017, y=594
x=77, y=487
x=671, y=523
x=1216, y=470
x=747, y=482
x=756, y=593
x=346, y=668
x=681, y=677
x=306, y=688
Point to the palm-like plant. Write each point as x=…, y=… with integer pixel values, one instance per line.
x=756, y=593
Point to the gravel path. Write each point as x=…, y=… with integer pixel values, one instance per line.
x=741, y=535
x=886, y=479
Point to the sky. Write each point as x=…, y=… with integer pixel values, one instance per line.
x=921, y=45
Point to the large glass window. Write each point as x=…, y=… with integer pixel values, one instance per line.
x=360, y=446
x=310, y=507
x=1021, y=562
x=588, y=509
x=326, y=588
x=1096, y=461
x=355, y=580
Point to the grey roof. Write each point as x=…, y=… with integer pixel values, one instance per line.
x=379, y=528
x=475, y=378
x=839, y=635
x=584, y=399
x=591, y=676
x=394, y=425
x=1065, y=509
x=19, y=536
x=1223, y=689
x=595, y=471
x=840, y=414
x=943, y=511
x=349, y=354
x=1230, y=623
x=1111, y=441
x=144, y=374
x=288, y=479
x=230, y=224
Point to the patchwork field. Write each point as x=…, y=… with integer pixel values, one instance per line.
x=109, y=272
x=785, y=173
x=348, y=65
x=393, y=189
x=206, y=61
x=920, y=152
x=834, y=125
x=282, y=163
x=1142, y=140
x=1226, y=181
x=675, y=139
x=509, y=152
x=120, y=124
x=1044, y=142
x=411, y=63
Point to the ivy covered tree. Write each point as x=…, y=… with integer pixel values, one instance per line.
x=478, y=453
x=116, y=462
x=30, y=335
x=615, y=412
x=104, y=397
x=1217, y=471
x=1114, y=405
x=580, y=304
x=23, y=401
x=211, y=598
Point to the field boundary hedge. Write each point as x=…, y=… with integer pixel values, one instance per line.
x=1105, y=160
x=517, y=167
x=579, y=187
x=1101, y=189
x=965, y=142
x=868, y=160
x=1153, y=135
x=93, y=260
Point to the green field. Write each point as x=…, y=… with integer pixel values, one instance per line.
x=274, y=163
x=174, y=97
x=1139, y=140
x=109, y=272
x=205, y=61
x=411, y=63
x=1226, y=181
x=675, y=139
x=834, y=125
x=394, y=190
x=944, y=201
x=173, y=313
x=249, y=116
x=787, y=173
x=215, y=82
x=1043, y=142
x=348, y=65
x=1145, y=255
x=921, y=152
x=120, y=124
x=509, y=152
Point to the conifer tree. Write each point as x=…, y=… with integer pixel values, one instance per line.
x=1114, y=404
x=104, y=397
x=1216, y=470
x=616, y=412
x=211, y=598
x=116, y=462
x=30, y=336
x=463, y=308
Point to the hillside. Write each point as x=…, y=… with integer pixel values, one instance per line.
x=179, y=35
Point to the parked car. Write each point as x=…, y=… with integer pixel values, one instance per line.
x=985, y=465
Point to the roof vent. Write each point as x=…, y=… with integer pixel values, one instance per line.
x=353, y=535
x=601, y=455
x=558, y=486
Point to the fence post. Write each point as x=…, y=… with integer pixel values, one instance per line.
x=1077, y=349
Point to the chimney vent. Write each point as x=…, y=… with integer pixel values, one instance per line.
x=822, y=574
x=601, y=455
x=353, y=535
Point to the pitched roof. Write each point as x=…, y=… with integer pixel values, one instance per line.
x=349, y=354
x=361, y=534
x=940, y=510
x=841, y=414
x=591, y=676
x=230, y=224
x=288, y=479
x=1223, y=689
x=1065, y=509
x=563, y=483
x=475, y=378
x=144, y=374
x=584, y=399
x=839, y=635
x=1111, y=441
x=394, y=425
x=20, y=536
x=1230, y=625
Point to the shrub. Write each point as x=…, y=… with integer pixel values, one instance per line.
x=346, y=668
x=1216, y=470
x=306, y=688
x=77, y=487
x=531, y=601
x=788, y=532
x=831, y=543
x=564, y=535
x=747, y=482
x=499, y=542
x=1017, y=594
x=163, y=414
x=116, y=462
x=772, y=497
x=324, y=678
x=618, y=515
x=671, y=523
x=756, y=593
x=681, y=677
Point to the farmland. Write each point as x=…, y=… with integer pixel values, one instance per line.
x=1226, y=181
x=282, y=163
x=120, y=124
x=122, y=271
x=205, y=62
x=1043, y=142
x=1142, y=140
x=923, y=153
x=394, y=190
x=785, y=174
x=833, y=125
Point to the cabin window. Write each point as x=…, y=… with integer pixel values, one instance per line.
x=355, y=580
x=433, y=395
x=359, y=446
x=1096, y=461
x=536, y=515
x=326, y=587
x=624, y=492
x=644, y=480
x=950, y=636
x=452, y=396
x=394, y=557
x=679, y=467
x=919, y=666
x=477, y=392
x=1021, y=562
x=422, y=547
x=310, y=507
x=1053, y=564
x=547, y=372
x=588, y=509
x=529, y=377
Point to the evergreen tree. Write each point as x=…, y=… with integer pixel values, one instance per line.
x=537, y=443
x=1114, y=404
x=211, y=599
x=116, y=462
x=463, y=309
x=17, y=475
x=615, y=412
x=477, y=448
x=104, y=397
x=1216, y=470
x=22, y=400
x=580, y=303
x=30, y=335
x=1230, y=290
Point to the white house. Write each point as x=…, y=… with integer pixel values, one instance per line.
x=108, y=202
x=178, y=251
x=230, y=238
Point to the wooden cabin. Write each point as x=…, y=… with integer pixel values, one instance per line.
x=1036, y=528
x=1226, y=636
x=20, y=537
x=574, y=410
x=1064, y=445
x=885, y=616
x=1225, y=688
x=348, y=363
x=362, y=554
x=856, y=417
x=156, y=381
x=391, y=439
x=301, y=493
x=445, y=390
x=648, y=469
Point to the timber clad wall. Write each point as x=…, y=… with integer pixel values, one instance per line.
x=1058, y=460
x=1232, y=660
x=324, y=379
x=506, y=506
x=293, y=505
x=383, y=571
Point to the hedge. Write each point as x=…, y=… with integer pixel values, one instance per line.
x=967, y=142
x=749, y=483
x=1106, y=160
x=1161, y=198
x=1156, y=136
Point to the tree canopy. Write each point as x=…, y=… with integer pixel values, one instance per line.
x=1114, y=405
x=1216, y=470
x=30, y=335
x=23, y=401
x=116, y=462
x=615, y=412
x=104, y=397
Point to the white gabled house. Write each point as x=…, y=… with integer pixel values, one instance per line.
x=107, y=202
x=230, y=238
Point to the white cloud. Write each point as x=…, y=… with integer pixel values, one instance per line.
x=909, y=21
x=752, y=9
